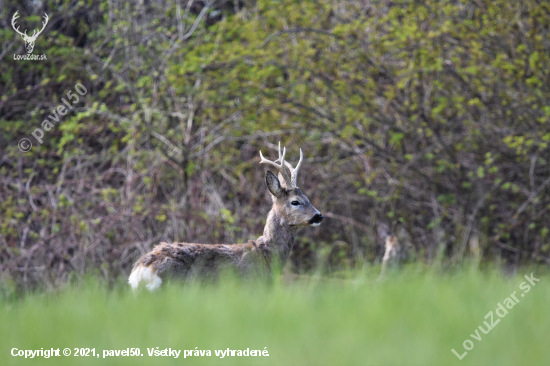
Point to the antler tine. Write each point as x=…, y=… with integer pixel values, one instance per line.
x=282, y=157
x=287, y=179
x=265, y=161
x=295, y=172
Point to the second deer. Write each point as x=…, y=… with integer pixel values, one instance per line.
x=291, y=210
x=394, y=253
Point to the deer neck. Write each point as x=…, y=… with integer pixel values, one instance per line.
x=278, y=235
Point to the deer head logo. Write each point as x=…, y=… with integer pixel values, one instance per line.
x=29, y=40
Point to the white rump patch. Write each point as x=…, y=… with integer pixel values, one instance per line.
x=316, y=224
x=144, y=274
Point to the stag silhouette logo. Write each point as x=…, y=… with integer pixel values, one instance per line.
x=29, y=40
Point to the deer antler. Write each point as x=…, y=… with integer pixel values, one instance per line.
x=36, y=33
x=294, y=171
x=290, y=181
x=15, y=16
x=280, y=167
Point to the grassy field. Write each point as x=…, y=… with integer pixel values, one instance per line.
x=414, y=318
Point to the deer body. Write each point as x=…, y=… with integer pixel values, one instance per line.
x=182, y=260
x=291, y=210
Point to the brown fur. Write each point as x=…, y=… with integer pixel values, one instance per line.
x=203, y=260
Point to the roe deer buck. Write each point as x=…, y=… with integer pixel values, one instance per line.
x=291, y=210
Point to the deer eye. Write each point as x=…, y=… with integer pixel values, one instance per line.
x=295, y=203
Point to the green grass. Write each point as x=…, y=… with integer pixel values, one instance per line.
x=414, y=318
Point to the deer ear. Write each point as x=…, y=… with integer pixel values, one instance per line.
x=273, y=184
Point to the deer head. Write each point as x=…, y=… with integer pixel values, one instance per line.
x=288, y=199
x=29, y=40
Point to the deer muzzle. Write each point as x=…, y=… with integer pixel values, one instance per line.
x=316, y=220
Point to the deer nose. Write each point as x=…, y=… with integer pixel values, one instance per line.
x=316, y=220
